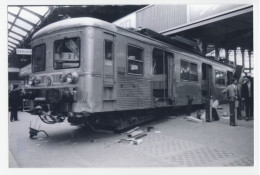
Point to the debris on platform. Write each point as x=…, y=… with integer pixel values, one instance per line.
x=134, y=136
x=132, y=130
x=136, y=142
x=134, y=133
x=157, y=132
x=194, y=119
x=149, y=128
x=203, y=116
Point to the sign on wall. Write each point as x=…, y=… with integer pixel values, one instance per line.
x=24, y=51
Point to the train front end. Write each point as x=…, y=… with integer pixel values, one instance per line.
x=54, y=84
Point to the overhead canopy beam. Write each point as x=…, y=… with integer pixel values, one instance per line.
x=207, y=21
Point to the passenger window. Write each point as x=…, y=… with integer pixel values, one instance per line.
x=189, y=71
x=220, y=77
x=108, y=53
x=135, y=60
x=185, y=70
x=193, y=72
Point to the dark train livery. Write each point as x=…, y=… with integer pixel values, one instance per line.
x=93, y=72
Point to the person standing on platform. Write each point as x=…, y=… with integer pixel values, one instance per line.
x=240, y=104
x=233, y=96
x=14, y=99
x=247, y=96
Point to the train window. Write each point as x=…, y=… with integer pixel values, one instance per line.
x=38, y=58
x=220, y=77
x=135, y=60
x=185, y=70
x=157, y=62
x=160, y=61
x=66, y=53
x=189, y=71
x=193, y=72
x=108, y=53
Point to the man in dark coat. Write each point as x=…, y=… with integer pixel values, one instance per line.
x=247, y=94
x=14, y=99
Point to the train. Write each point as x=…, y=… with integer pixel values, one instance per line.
x=92, y=72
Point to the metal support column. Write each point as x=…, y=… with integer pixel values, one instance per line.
x=243, y=56
x=226, y=54
x=249, y=59
x=235, y=56
x=216, y=51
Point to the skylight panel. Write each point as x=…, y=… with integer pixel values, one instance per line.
x=41, y=10
x=9, y=26
x=15, y=36
x=10, y=48
x=11, y=44
x=23, y=24
x=14, y=10
x=11, y=18
x=17, y=30
x=29, y=16
x=13, y=40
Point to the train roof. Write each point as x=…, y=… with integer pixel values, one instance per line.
x=87, y=21
x=75, y=22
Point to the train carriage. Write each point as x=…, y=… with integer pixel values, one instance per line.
x=93, y=72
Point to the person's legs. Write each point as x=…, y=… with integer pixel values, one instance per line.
x=247, y=109
x=232, y=113
x=12, y=115
x=251, y=106
x=239, y=114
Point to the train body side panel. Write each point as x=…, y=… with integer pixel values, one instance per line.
x=187, y=88
x=133, y=91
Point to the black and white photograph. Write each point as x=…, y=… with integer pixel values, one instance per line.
x=136, y=85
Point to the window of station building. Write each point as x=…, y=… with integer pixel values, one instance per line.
x=220, y=77
x=67, y=53
x=134, y=60
x=38, y=58
x=189, y=71
x=108, y=53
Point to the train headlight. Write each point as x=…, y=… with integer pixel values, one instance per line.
x=72, y=77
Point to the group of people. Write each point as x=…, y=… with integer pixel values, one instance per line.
x=240, y=96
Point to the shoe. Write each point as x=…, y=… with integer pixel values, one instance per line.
x=247, y=119
x=232, y=124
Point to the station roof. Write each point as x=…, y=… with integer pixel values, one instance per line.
x=24, y=21
x=227, y=30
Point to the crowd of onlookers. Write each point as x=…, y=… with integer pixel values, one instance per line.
x=241, y=97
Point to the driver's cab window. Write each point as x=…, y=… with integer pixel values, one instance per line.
x=66, y=53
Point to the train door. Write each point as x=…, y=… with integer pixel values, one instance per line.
x=108, y=67
x=162, y=77
x=206, y=83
